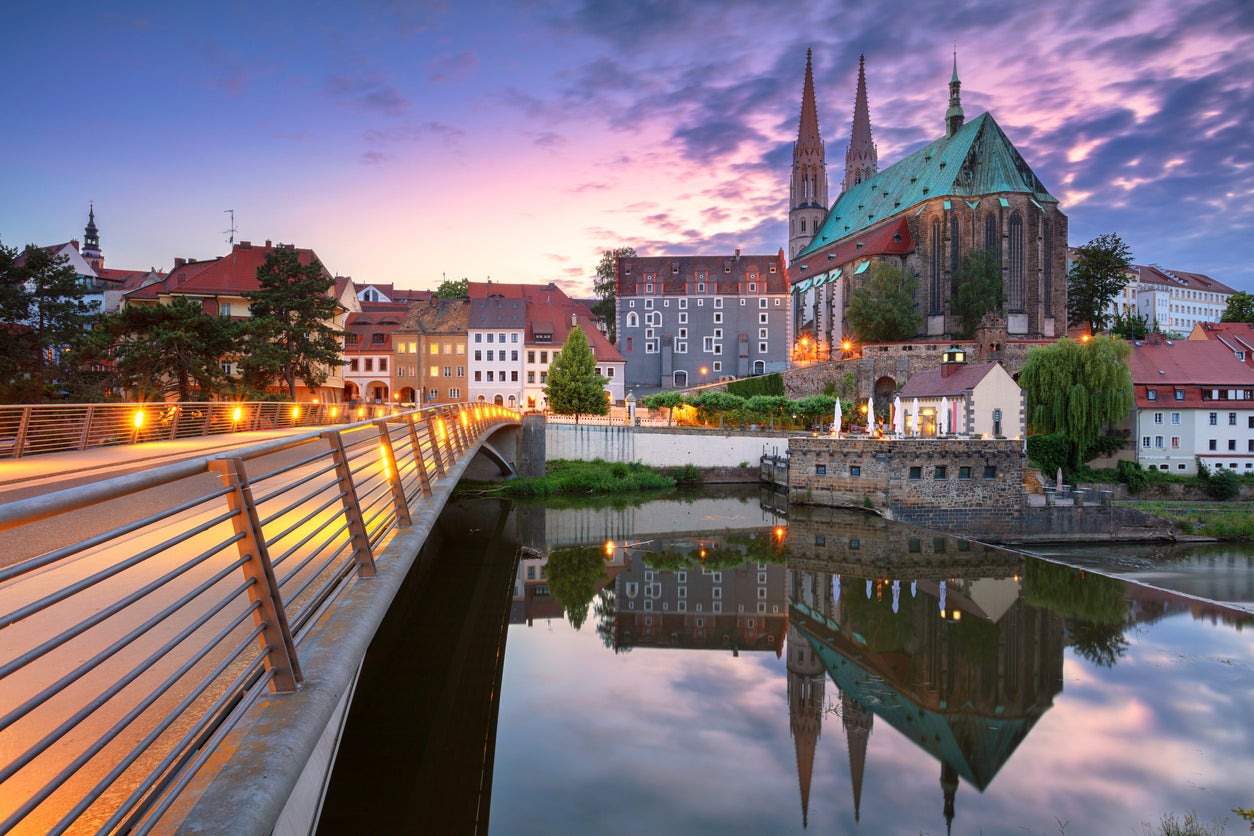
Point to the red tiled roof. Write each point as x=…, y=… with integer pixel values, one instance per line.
x=892, y=238
x=498, y=312
x=1153, y=274
x=929, y=383
x=482, y=290
x=549, y=311
x=1183, y=362
x=673, y=275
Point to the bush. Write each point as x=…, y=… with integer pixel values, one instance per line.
x=1131, y=474
x=770, y=384
x=1224, y=484
x=687, y=474
x=1048, y=452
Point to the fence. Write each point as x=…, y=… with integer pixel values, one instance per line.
x=127, y=654
x=54, y=428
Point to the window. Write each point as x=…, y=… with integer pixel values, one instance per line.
x=763, y=319
x=1210, y=445
x=1145, y=441
x=990, y=471
x=513, y=355
x=629, y=343
x=448, y=371
x=491, y=356
x=531, y=377
x=916, y=473
x=1232, y=444
x=478, y=356
x=681, y=346
x=435, y=348
x=378, y=339
x=761, y=333
x=718, y=302
x=478, y=377
x=1232, y=419
x=531, y=356
x=683, y=304
x=352, y=365
x=762, y=348
x=461, y=371
x=1179, y=394
x=1151, y=394
x=1158, y=417
x=683, y=318
x=544, y=357
x=718, y=319
x=648, y=303
x=820, y=470
x=1175, y=417
x=478, y=338
x=490, y=377
x=707, y=344
x=650, y=346
x=224, y=309
x=454, y=393
x=761, y=303
x=513, y=338
x=1214, y=418
x=717, y=366
x=1158, y=442
x=964, y=472
x=1175, y=442
x=855, y=470
x=369, y=364
x=941, y=472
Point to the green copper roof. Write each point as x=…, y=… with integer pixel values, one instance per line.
x=977, y=160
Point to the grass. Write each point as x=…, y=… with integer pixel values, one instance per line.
x=564, y=476
x=1222, y=520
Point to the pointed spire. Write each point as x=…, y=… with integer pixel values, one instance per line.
x=91, y=239
x=808, y=128
x=861, y=160
x=858, y=722
x=954, y=116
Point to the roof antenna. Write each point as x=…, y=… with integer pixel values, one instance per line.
x=232, y=230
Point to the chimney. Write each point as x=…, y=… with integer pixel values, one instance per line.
x=245, y=245
x=738, y=253
x=179, y=262
x=74, y=244
x=267, y=243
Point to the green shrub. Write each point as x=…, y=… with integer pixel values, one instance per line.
x=686, y=474
x=1131, y=474
x=1048, y=452
x=1224, y=484
x=768, y=384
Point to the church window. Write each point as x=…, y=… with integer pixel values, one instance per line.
x=934, y=293
x=1047, y=255
x=953, y=244
x=991, y=241
x=1014, y=295
x=803, y=224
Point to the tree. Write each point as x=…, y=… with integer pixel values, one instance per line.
x=720, y=402
x=44, y=315
x=290, y=334
x=573, y=577
x=1098, y=272
x=977, y=290
x=1129, y=326
x=163, y=349
x=453, y=289
x=605, y=286
x=1240, y=308
x=664, y=400
x=882, y=309
x=1078, y=389
x=574, y=387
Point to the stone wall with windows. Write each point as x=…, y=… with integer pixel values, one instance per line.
x=942, y=484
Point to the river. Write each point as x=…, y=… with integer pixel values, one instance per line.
x=705, y=664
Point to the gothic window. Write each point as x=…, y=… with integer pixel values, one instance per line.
x=633, y=320
x=1014, y=292
x=953, y=244
x=934, y=294
x=990, y=236
x=1047, y=254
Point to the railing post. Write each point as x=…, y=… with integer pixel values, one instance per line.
x=204, y=429
x=433, y=438
x=276, y=635
x=393, y=474
x=362, y=553
x=420, y=461
x=86, y=433
x=23, y=427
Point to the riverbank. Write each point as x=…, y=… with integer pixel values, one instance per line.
x=1229, y=521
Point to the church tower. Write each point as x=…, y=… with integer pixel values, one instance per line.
x=807, y=679
x=861, y=161
x=953, y=116
x=808, y=205
x=91, y=240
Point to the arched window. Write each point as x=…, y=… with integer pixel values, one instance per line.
x=991, y=240
x=1047, y=254
x=934, y=294
x=681, y=379
x=953, y=244
x=1014, y=290
x=803, y=224
x=633, y=319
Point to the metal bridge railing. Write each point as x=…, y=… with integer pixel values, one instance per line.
x=128, y=654
x=27, y=430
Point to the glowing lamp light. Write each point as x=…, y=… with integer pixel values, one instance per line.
x=441, y=429
x=139, y=419
x=237, y=415
x=779, y=532
x=465, y=420
x=335, y=411
x=315, y=401
x=296, y=412
x=361, y=412
x=1086, y=338
x=704, y=370
x=846, y=345
x=609, y=549
x=383, y=458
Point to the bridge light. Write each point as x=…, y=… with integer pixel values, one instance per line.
x=361, y=412
x=383, y=458
x=465, y=420
x=139, y=418
x=295, y=412
x=441, y=430
x=237, y=415
x=335, y=411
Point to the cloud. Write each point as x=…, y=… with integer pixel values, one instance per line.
x=447, y=69
x=368, y=93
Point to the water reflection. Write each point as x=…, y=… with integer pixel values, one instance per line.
x=673, y=669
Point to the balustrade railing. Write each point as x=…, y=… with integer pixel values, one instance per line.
x=142, y=616
x=31, y=429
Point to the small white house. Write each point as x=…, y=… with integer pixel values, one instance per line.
x=979, y=399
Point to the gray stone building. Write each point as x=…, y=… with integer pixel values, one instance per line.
x=688, y=320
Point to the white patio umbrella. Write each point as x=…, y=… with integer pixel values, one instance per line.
x=899, y=418
x=914, y=412
x=836, y=419
x=943, y=425
x=870, y=416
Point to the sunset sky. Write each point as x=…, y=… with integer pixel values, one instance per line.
x=409, y=141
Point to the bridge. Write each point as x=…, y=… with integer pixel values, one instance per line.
x=170, y=638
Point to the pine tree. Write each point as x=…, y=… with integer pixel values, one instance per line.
x=290, y=332
x=574, y=387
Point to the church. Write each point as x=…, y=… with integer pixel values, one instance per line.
x=969, y=189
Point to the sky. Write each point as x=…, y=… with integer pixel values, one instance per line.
x=409, y=142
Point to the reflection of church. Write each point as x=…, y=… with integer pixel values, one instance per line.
x=962, y=667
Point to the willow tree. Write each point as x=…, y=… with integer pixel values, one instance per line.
x=1078, y=389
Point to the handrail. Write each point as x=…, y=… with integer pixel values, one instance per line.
x=125, y=654
x=31, y=429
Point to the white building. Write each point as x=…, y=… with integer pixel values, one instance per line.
x=1173, y=300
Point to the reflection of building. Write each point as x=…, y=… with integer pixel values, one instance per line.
x=738, y=609
x=961, y=666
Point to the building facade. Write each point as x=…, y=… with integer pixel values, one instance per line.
x=431, y=350
x=1194, y=402
x=968, y=190
x=689, y=320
